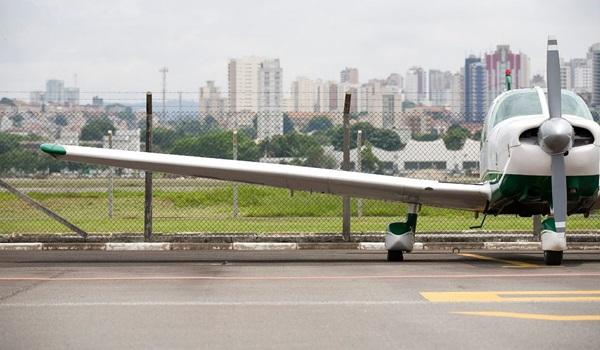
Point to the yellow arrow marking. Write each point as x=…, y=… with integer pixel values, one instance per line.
x=511, y=263
x=513, y=296
x=527, y=316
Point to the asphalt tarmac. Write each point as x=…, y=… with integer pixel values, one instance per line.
x=297, y=300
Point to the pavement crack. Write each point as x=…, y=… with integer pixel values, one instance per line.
x=26, y=288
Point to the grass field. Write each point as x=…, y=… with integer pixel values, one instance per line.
x=194, y=205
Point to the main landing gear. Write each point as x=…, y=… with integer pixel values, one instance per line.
x=400, y=236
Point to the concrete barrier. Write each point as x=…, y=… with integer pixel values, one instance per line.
x=137, y=246
x=21, y=246
x=264, y=246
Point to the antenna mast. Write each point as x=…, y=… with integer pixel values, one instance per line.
x=164, y=71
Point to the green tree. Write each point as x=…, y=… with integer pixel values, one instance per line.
x=455, y=137
x=318, y=123
x=61, y=120
x=430, y=136
x=17, y=120
x=476, y=135
x=369, y=162
x=217, y=144
x=162, y=139
x=316, y=157
x=290, y=145
x=95, y=129
x=288, y=124
x=380, y=138
x=408, y=105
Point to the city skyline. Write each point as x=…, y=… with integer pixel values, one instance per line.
x=39, y=42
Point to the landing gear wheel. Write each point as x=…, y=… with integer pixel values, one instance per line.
x=552, y=257
x=395, y=255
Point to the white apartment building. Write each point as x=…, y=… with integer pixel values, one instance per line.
x=415, y=85
x=243, y=79
x=210, y=99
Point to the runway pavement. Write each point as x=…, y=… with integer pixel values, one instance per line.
x=297, y=300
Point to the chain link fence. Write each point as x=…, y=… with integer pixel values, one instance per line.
x=427, y=143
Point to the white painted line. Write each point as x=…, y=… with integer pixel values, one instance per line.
x=221, y=303
x=21, y=246
x=418, y=246
x=371, y=246
x=264, y=246
x=137, y=246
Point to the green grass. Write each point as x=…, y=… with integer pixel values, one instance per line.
x=198, y=208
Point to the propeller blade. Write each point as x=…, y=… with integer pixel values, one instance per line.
x=553, y=77
x=559, y=192
x=558, y=139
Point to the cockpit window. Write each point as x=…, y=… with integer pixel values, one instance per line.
x=518, y=104
x=573, y=105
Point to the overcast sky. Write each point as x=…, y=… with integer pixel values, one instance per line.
x=120, y=45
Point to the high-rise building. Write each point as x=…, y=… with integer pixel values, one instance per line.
x=457, y=93
x=439, y=87
x=565, y=75
x=395, y=79
x=210, y=98
x=349, y=75
x=415, y=85
x=594, y=56
x=476, y=92
x=370, y=100
x=333, y=91
x=270, y=87
x=391, y=108
x=37, y=97
x=97, y=101
x=71, y=96
x=55, y=91
x=581, y=75
x=304, y=95
x=243, y=78
x=496, y=64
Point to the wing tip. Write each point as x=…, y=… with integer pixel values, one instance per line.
x=53, y=149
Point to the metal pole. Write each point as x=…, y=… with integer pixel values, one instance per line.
x=148, y=174
x=359, y=201
x=346, y=167
x=235, y=185
x=537, y=226
x=110, y=178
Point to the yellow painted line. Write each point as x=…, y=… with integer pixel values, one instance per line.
x=511, y=263
x=526, y=316
x=513, y=296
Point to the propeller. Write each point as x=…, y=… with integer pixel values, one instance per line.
x=556, y=137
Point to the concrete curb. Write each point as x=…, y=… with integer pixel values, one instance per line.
x=273, y=246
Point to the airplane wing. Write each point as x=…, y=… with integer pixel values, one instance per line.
x=440, y=194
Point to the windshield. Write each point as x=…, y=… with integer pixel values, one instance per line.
x=517, y=104
x=574, y=105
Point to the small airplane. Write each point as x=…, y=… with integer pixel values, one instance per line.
x=540, y=155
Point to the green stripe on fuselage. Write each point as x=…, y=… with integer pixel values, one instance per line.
x=528, y=195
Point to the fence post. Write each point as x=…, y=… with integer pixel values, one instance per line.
x=346, y=167
x=359, y=201
x=148, y=174
x=110, y=178
x=235, y=185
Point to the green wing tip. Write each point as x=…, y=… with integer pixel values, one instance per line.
x=55, y=150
